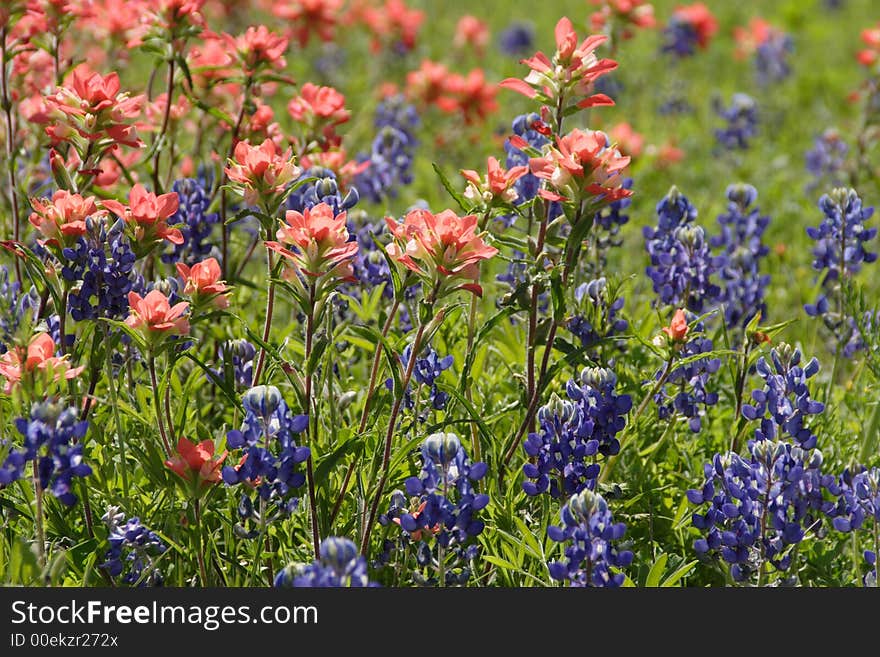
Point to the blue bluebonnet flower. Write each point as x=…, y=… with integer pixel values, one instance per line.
x=597, y=314
x=784, y=404
x=53, y=440
x=840, y=238
x=528, y=185
x=839, y=253
x=687, y=390
x=391, y=153
x=591, y=533
x=339, y=565
x=101, y=268
x=195, y=222
x=440, y=518
x=236, y=356
x=370, y=266
x=323, y=189
x=606, y=228
x=133, y=551
x=771, y=58
x=517, y=39
x=826, y=161
x=759, y=506
x=742, y=122
x=427, y=369
x=742, y=227
x=857, y=501
x=564, y=453
x=14, y=306
x=682, y=265
x=272, y=456
x=447, y=502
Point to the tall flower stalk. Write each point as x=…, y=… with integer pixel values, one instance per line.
x=317, y=256
x=581, y=173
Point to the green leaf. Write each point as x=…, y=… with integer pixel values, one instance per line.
x=328, y=462
x=449, y=188
x=676, y=576
x=481, y=335
x=136, y=336
x=475, y=416
x=653, y=579
x=315, y=357
x=225, y=384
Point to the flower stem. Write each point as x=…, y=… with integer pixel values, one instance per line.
x=114, y=402
x=365, y=413
x=167, y=399
x=533, y=402
x=10, y=144
x=224, y=251
x=389, y=436
x=200, y=548
x=157, y=187
x=313, y=420
x=38, y=520
x=157, y=404
x=270, y=309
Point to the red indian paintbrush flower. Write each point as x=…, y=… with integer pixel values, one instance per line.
x=582, y=166
x=572, y=71
x=148, y=214
x=871, y=38
x=202, y=283
x=309, y=18
x=701, y=20
x=197, y=463
x=629, y=142
x=62, y=219
x=92, y=106
x=316, y=243
x=678, y=327
x=443, y=249
x=261, y=172
x=622, y=16
x=471, y=31
x=319, y=110
x=498, y=183
x=258, y=48
x=154, y=314
x=39, y=356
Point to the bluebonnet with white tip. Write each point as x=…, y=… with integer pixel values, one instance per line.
x=339, y=565
x=133, y=551
x=741, y=119
x=755, y=509
x=592, y=555
x=564, y=454
x=784, y=403
x=742, y=228
x=682, y=268
x=839, y=253
x=267, y=439
x=53, y=441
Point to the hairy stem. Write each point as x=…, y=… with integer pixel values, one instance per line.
x=365, y=414
x=10, y=145
x=270, y=309
x=389, y=436
x=313, y=420
x=151, y=361
x=157, y=186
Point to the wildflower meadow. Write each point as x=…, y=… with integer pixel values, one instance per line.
x=397, y=293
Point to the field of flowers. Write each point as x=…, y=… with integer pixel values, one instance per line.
x=403, y=293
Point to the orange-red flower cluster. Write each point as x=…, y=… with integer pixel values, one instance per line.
x=444, y=250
